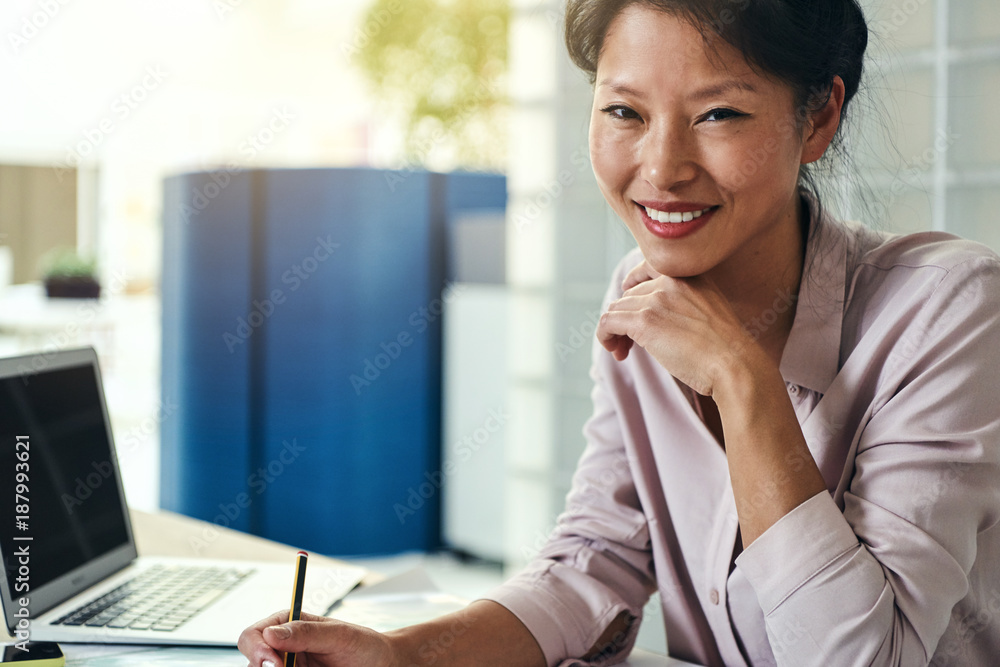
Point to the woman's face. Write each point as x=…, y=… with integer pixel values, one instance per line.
x=698, y=154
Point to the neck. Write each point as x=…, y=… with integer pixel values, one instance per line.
x=764, y=296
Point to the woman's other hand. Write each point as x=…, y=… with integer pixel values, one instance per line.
x=686, y=324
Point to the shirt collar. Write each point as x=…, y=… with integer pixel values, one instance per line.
x=811, y=357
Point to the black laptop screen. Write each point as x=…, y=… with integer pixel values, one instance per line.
x=74, y=508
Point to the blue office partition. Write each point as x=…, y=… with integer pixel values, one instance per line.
x=310, y=343
x=206, y=386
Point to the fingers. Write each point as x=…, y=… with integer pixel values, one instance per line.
x=640, y=274
x=260, y=642
x=311, y=636
x=613, y=329
x=612, y=333
x=252, y=644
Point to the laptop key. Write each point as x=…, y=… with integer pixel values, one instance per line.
x=165, y=627
x=75, y=620
x=97, y=622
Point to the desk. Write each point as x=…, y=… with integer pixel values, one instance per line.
x=169, y=534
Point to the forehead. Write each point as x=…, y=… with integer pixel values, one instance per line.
x=653, y=46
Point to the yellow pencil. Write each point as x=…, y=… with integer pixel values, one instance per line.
x=298, y=589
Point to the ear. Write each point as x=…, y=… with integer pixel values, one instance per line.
x=823, y=124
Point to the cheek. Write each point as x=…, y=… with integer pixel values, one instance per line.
x=756, y=163
x=610, y=161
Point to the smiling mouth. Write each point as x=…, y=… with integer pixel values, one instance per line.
x=676, y=218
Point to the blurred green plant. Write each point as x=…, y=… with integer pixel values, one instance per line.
x=67, y=263
x=441, y=65
x=68, y=274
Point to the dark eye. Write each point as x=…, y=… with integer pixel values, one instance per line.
x=716, y=115
x=620, y=112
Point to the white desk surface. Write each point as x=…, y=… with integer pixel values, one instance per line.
x=147, y=656
x=169, y=534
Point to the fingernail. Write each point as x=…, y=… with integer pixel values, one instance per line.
x=281, y=632
x=267, y=663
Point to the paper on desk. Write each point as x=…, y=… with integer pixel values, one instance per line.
x=405, y=599
x=120, y=655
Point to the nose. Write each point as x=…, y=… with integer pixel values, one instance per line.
x=668, y=157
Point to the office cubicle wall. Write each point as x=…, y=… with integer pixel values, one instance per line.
x=302, y=343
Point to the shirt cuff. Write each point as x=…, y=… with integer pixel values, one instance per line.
x=560, y=632
x=797, y=547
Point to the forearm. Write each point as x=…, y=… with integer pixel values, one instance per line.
x=771, y=468
x=484, y=633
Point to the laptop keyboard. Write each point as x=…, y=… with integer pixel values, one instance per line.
x=162, y=598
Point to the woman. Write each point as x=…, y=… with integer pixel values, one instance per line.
x=795, y=437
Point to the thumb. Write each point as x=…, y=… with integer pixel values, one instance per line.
x=299, y=636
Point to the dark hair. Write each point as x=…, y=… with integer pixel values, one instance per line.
x=805, y=43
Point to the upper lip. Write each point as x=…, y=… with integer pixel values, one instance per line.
x=673, y=206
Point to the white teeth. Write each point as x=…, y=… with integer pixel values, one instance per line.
x=661, y=216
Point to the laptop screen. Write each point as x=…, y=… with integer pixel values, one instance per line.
x=53, y=421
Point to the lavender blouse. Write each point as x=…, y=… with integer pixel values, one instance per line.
x=893, y=368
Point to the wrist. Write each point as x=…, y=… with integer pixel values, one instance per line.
x=742, y=377
x=403, y=645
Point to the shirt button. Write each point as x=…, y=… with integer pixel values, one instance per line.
x=793, y=389
x=714, y=596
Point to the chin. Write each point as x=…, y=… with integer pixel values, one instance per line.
x=673, y=267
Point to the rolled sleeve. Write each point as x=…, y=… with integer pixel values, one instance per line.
x=566, y=609
x=815, y=532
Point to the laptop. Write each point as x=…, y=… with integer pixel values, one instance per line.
x=71, y=569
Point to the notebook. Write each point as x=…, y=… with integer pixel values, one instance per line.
x=70, y=561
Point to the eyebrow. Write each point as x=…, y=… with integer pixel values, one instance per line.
x=714, y=90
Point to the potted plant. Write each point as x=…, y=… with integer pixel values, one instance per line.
x=67, y=274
